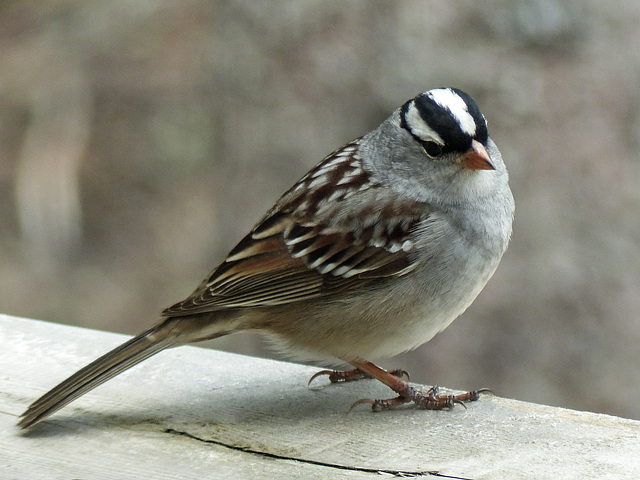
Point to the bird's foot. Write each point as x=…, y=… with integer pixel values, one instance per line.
x=429, y=400
x=337, y=376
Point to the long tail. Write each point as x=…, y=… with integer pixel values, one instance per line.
x=99, y=371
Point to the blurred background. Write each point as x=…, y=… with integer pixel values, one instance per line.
x=139, y=140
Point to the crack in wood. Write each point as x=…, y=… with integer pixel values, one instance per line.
x=377, y=471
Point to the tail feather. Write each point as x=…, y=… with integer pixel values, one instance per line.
x=99, y=371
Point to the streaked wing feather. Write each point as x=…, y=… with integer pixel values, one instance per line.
x=306, y=247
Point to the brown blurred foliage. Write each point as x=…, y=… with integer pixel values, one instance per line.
x=140, y=139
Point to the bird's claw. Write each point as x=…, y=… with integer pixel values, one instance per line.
x=429, y=400
x=338, y=376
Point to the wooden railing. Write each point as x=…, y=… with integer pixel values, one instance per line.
x=194, y=413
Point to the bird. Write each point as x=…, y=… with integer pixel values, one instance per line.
x=374, y=251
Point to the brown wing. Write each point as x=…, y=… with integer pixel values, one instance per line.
x=314, y=243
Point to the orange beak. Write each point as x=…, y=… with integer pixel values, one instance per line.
x=477, y=158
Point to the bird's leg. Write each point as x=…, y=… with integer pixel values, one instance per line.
x=429, y=400
x=337, y=376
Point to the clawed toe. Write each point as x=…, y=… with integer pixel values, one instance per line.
x=361, y=401
x=319, y=374
x=378, y=405
x=429, y=400
x=338, y=376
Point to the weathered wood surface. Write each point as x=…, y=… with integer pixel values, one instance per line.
x=192, y=413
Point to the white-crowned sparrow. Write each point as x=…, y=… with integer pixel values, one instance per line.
x=378, y=248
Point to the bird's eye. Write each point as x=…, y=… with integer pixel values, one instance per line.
x=432, y=149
